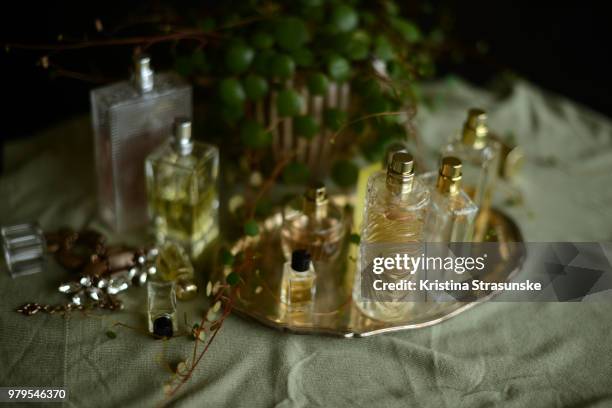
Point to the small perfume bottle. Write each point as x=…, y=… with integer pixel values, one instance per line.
x=479, y=155
x=315, y=224
x=298, y=285
x=395, y=211
x=162, y=308
x=130, y=119
x=451, y=213
x=182, y=190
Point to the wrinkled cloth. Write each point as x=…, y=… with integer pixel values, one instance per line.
x=496, y=354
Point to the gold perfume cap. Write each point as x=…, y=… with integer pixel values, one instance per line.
x=400, y=172
x=475, y=128
x=391, y=150
x=143, y=73
x=449, y=176
x=181, y=134
x=315, y=201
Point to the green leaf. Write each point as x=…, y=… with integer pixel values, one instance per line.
x=251, y=228
x=355, y=239
x=305, y=126
x=232, y=279
x=289, y=103
x=262, y=40
x=344, y=173
x=358, y=45
x=318, y=83
x=238, y=58
x=111, y=334
x=383, y=48
x=291, y=33
x=296, y=173
x=344, y=18
x=282, y=66
x=408, y=30
x=303, y=57
x=253, y=135
x=255, y=87
x=338, y=68
x=232, y=92
x=334, y=118
x=227, y=258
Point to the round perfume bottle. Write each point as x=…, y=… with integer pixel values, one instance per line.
x=315, y=224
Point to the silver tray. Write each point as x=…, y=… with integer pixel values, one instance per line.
x=258, y=293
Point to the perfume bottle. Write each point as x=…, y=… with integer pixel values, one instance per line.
x=395, y=211
x=173, y=264
x=24, y=248
x=161, y=301
x=479, y=155
x=451, y=212
x=182, y=190
x=315, y=224
x=298, y=284
x=130, y=119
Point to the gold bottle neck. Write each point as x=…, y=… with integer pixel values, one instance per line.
x=475, y=129
x=449, y=176
x=400, y=173
x=316, y=202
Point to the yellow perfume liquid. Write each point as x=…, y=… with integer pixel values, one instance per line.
x=173, y=263
x=479, y=155
x=182, y=191
x=395, y=211
x=313, y=224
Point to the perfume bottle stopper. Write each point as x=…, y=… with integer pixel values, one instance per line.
x=449, y=176
x=475, y=128
x=400, y=173
x=300, y=260
x=143, y=73
x=316, y=201
x=182, y=135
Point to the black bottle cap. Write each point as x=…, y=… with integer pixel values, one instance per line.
x=162, y=326
x=300, y=260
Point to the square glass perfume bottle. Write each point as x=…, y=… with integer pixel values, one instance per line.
x=314, y=224
x=298, y=284
x=479, y=155
x=24, y=247
x=161, y=308
x=182, y=190
x=393, y=224
x=130, y=119
x=451, y=212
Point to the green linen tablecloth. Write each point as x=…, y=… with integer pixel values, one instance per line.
x=497, y=354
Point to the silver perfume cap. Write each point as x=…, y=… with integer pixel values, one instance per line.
x=181, y=135
x=143, y=73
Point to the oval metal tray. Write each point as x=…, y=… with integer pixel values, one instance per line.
x=258, y=293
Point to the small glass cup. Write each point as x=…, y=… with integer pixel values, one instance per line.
x=24, y=247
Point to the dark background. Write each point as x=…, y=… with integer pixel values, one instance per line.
x=562, y=48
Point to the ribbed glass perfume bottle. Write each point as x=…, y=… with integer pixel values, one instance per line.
x=314, y=224
x=479, y=155
x=182, y=190
x=395, y=211
x=451, y=211
x=130, y=119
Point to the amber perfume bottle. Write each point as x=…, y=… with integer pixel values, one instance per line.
x=182, y=190
x=130, y=119
x=314, y=224
x=479, y=155
x=451, y=211
x=394, y=216
x=298, y=284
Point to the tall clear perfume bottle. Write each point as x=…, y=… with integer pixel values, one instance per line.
x=182, y=190
x=130, y=119
x=298, y=284
x=451, y=211
x=161, y=308
x=314, y=224
x=480, y=157
x=394, y=216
